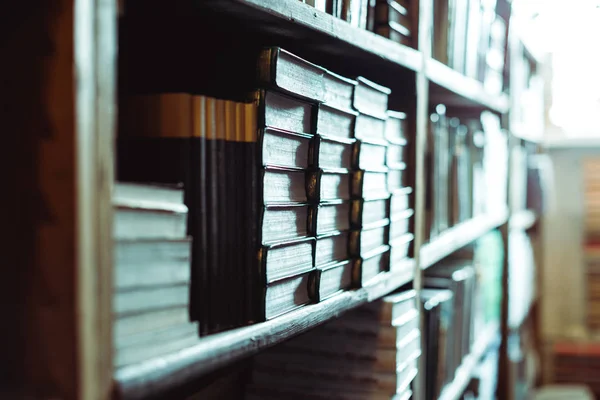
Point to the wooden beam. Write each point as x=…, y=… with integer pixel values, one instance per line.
x=57, y=122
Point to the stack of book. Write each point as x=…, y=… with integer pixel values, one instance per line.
x=470, y=37
x=393, y=20
x=276, y=174
x=448, y=300
x=369, y=239
x=578, y=363
x=368, y=353
x=330, y=216
x=152, y=273
x=400, y=212
x=591, y=170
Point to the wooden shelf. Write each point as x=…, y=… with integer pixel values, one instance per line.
x=470, y=91
x=464, y=373
x=161, y=375
x=457, y=237
x=523, y=220
x=291, y=18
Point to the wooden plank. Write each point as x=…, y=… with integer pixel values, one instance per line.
x=457, y=237
x=95, y=63
x=470, y=91
x=50, y=112
x=464, y=373
x=301, y=17
x=161, y=375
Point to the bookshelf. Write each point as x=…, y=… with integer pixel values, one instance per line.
x=417, y=81
x=222, y=349
x=488, y=338
x=458, y=237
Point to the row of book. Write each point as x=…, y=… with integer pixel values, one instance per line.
x=152, y=269
x=369, y=353
x=392, y=19
x=591, y=247
x=577, y=363
x=461, y=297
x=467, y=158
x=297, y=189
x=470, y=37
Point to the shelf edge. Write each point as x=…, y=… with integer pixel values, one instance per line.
x=160, y=375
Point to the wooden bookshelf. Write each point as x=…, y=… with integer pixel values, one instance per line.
x=450, y=83
x=454, y=391
x=457, y=237
x=84, y=230
x=160, y=375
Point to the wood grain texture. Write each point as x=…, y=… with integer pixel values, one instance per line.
x=455, y=89
x=42, y=300
x=459, y=236
x=303, y=16
x=95, y=63
x=159, y=376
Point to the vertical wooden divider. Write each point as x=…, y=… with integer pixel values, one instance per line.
x=422, y=110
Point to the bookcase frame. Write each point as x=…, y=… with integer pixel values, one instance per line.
x=80, y=325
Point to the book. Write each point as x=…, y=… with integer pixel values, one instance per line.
x=138, y=220
x=355, y=12
x=400, y=201
x=339, y=92
x=144, y=263
x=150, y=321
x=369, y=127
x=395, y=32
x=137, y=193
x=331, y=279
x=437, y=306
x=400, y=250
x=137, y=353
x=396, y=156
x=396, y=129
x=329, y=185
x=331, y=248
x=151, y=338
x=368, y=239
x=369, y=154
x=371, y=98
x=286, y=72
x=393, y=308
x=397, y=178
x=400, y=224
x=284, y=295
x=370, y=184
x=253, y=182
x=148, y=299
x=281, y=222
x=330, y=217
x=285, y=259
x=285, y=149
x=370, y=266
x=334, y=153
x=368, y=213
x=335, y=122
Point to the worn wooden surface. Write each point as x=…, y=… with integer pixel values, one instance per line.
x=48, y=313
x=454, y=89
x=159, y=376
x=459, y=236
